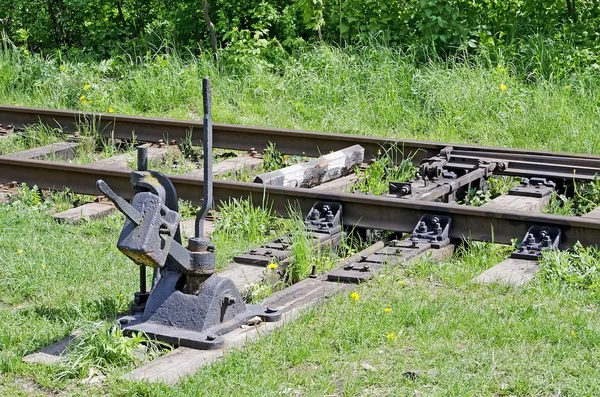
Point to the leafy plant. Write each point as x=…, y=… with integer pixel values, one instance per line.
x=376, y=178
x=579, y=268
x=493, y=188
x=585, y=198
x=273, y=159
x=102, y=348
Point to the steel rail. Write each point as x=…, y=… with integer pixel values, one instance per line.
x=358, y=210
x=238, y=137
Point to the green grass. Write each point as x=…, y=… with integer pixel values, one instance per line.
x=381, y=171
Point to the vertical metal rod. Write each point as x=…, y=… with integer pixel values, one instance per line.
x=142, y=165
x=142, y=158
x=207, y=146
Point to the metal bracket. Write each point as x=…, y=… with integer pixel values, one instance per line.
x=537, y=239
x=400, y=189
x=324, y=217
x=432, y=229
x=6, y=130
x=533, y=187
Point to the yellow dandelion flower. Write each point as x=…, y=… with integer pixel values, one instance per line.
x=111, y=110
x=402, y=283
x=391, y=336
x=19, y=252
x=568, y=87
x=354, y=296
x=272, y=266
x=387, y=309
x=82, y=98
x=572, y=333
x=86, y=87
x=43, y=265
x=502, y=87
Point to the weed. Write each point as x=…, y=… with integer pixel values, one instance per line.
x=492, y=188
x=470, y=259
x=243, y=174
x=174, y=163
x=189, y=151
x=102, y=348
x=273, y=159
x=585, y=198
x=376, y=178
x=29, y=138
x=241, y=227
x=257, y=292
x=477, y=197
x=579, y=268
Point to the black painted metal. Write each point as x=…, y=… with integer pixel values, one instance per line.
x=536, y=240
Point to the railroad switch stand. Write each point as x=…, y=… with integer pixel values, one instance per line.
x=188, y=304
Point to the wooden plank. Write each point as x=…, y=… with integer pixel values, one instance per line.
x=84, y=212
x=243, y=274
x=342, y=184
x=516, y=272
x=595, y=214
x=508, y=202
x=510, y=271
x=234, y=164
x=188, y=227
x=292, y=301
x=123, y=160
x=311, y=173
x=61, y=150
x=53, y=353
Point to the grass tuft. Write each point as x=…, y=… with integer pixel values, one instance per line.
x=376, y=178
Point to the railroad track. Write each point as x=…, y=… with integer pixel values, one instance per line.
x=426, y=208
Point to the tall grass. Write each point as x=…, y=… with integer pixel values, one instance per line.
x=371, y=91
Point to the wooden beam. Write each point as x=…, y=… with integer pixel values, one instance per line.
x=342, y=184
x=512, y=271
x=314, y=172
x=62, y=150
x=84, y=212
x=234, y=164
x=122, y=161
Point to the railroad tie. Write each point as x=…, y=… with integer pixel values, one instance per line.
x=513, y=271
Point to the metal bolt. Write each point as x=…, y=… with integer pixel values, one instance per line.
x=422, y=228
x=366, y=268
x=314, y=215
x=329, y=216
x=210, y=337
x=530, y=239
x=228, y=300
x=405, y=189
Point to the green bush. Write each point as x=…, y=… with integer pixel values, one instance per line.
x=103, y=28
